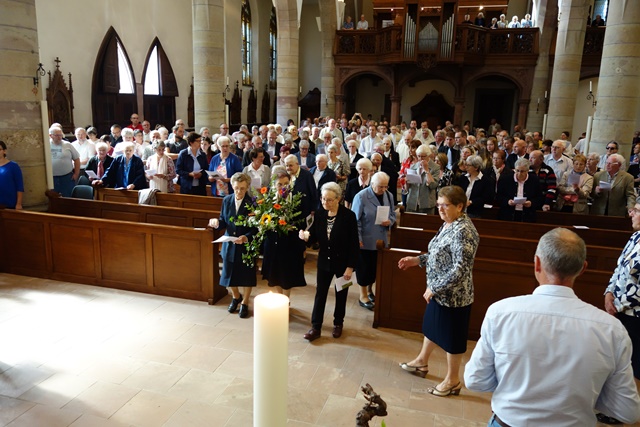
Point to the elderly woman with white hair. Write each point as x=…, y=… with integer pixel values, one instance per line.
x=127, y=136
x=421, y=196
x=362, y=181
x=226, y=164
x=366, y=205
x=126, y=171
x=165, y=170
x=335, y=229
x=479, y=188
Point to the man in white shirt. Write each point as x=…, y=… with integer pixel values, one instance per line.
x=395, y=136
x=549, y=358
x=557, y=161
x=333, y=130
x=85, y=148
x=367, y=144
x=146, y=131
x=362, y=24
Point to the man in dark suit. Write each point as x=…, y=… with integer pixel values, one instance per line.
x=354, y=156
x=448, y=148
x=272, y=146
x=303, y=153
x=519, y=151
x=322, y=174
x=303, y=183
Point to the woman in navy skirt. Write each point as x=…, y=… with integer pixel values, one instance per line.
x=236, y=273
x=449, y=293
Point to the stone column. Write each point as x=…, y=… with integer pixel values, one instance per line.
x=396, y=102
x=566, y=68
x=458, y=111
x=20, y=104
x=288, y=53
x=339, y=98
x=208, y=62
x=328, y=23
x=619, y=82
x=546, y=20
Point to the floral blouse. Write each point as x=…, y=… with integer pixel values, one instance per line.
x=340, y=169
x=449, y=263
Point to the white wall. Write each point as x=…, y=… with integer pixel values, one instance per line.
x=310, y=57
x=412, y=95
x=74, y=34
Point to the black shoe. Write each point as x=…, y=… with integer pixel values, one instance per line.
x=313, y=334
x=337, y=331
x=234, y=304
x=605, y=419
x=371, y=297
x=244, y=311
x=368, y=305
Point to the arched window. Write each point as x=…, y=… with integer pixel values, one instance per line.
x=160, y=87
x=246, y=43
x=273, y=49
x=113, y=93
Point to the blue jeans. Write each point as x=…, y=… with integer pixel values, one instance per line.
x=493, y=422
x=64, y=184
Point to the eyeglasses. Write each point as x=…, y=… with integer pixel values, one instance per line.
x=612, y=148
x=422, y=156
x=443, y=205
x=324, y=199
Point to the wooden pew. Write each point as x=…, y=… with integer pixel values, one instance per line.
x=150, y=258
x=523, y=230
x=400, y=305
x=175, y=200
x=164, y=215
x=502, y=248
x=569, y=219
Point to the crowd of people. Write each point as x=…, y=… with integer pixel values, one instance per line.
x=351, y=174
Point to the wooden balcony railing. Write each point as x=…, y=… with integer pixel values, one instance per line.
x=471, y=43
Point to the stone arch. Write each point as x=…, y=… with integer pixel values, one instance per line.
x=345, y=74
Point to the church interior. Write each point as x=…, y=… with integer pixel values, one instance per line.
x=79, y=351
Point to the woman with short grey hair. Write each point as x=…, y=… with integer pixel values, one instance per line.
x=421, y=197
x=479, y=188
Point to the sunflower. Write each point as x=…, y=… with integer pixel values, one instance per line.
x=265, y=219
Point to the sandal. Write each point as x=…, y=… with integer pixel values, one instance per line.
x=420, y=371
x=455, y=391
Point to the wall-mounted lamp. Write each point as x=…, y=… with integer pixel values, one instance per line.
x=226, y=91
x=590, y=96
x=39, y=72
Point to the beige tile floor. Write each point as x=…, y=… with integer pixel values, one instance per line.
x=84, y=356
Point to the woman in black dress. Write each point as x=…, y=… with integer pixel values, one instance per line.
x=336, y=230
x=449, y=293
x=283, y=262
x=236, y=273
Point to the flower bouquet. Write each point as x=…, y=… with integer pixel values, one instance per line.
x=271, y=210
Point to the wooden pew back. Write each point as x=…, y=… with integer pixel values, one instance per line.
x=150, y=258
x=175, y=200
x=400, y=305
x=164, y=215
x=522, y=230
x=503, y=248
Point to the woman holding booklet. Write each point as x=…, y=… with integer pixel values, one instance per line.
x=574, y=188
x=336, y=230
x=222, y=167
x=190, y=167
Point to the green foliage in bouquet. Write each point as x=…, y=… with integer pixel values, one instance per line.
x=270, y=210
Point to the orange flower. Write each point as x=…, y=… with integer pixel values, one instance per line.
x=263, y=190
x=261, y=201
x=282, y=222
x=277, y=206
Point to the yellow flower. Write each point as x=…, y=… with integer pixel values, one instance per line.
x=266, y=219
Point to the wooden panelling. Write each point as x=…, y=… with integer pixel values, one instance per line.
x=165, y=260
x=176, y=200
x=72, y=250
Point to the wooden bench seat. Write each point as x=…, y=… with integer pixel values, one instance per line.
x=175, y=200
x=503, y=248
x=523, y=230
x=150, y=258
x=400, y=305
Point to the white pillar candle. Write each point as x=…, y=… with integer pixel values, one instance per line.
x=545, y=94
x=590, y=86
x=270, y=359
x=227, y=81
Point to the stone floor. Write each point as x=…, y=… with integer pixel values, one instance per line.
x=78, y=355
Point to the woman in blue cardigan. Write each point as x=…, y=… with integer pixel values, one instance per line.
x=126, y=171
